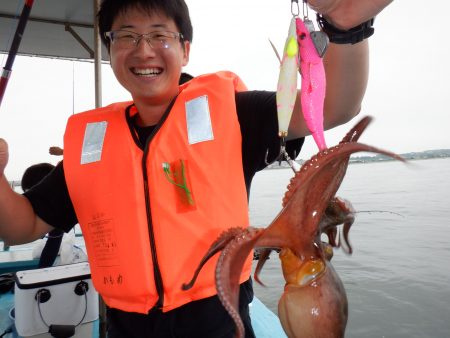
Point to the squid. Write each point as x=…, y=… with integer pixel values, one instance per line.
x=314, y=301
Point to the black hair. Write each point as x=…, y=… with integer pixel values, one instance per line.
x=34, y=174
x=176, y=10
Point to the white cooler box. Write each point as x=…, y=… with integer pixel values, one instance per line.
x=60, y=298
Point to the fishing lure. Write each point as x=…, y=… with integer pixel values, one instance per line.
x=313, y=83
x=287, y=80
x=303, y=51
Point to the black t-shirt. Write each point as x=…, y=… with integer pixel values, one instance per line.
x=257, y=115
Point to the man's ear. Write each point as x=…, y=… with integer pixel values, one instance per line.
x=109, y=54
x=187, y=49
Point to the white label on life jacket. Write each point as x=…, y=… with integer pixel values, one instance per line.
x=198, y=120
x=94, y=135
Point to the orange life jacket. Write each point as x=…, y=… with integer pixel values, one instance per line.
x=165, y=204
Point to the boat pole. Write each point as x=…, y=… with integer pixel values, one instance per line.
x=14, y=47
x=97, y=57
x=98, y=104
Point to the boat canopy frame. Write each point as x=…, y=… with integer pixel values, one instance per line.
x=61, y=29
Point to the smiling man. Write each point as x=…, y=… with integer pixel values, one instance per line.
x=154, y=181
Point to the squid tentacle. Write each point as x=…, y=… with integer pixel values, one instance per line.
x=228, y=271
x=221, y=242
x=354, y=134
x=346, y=229
x=351, y=137
x=263, y=257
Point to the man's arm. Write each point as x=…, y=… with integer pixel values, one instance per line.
x=18, y=222
x=346, y=65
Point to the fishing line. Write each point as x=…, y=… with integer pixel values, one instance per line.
x=11, y=32
x=379, y=211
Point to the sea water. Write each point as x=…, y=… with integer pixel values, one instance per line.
x=398, y=277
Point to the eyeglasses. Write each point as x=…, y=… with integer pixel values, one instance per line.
x=124, y=39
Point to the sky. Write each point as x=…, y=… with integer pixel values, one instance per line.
x=408, y=91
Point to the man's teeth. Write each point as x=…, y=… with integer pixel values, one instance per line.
x=147, y=71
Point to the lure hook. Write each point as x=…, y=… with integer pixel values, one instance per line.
x=283, y=156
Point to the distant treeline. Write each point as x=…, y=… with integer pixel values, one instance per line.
x=422, y=155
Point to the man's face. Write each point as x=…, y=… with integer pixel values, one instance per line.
x=150, y=74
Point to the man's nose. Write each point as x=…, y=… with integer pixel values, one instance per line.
x=143, y=46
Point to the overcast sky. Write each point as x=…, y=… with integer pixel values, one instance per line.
x=408, y=91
